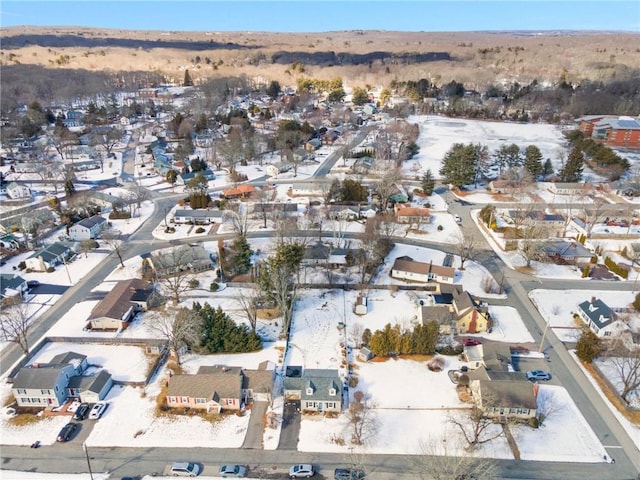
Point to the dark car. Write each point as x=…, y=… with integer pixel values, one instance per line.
x=471, y=342
x=33, y=283
x=82, y=411
x=67, y=432
x=348, y=474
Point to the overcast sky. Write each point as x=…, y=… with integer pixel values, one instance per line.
x=314, y=16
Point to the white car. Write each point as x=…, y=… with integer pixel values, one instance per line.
x=97, y=410
x=458, y=219
x=184, y=469
x=301, y=471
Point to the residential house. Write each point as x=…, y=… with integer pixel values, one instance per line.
x=185, y=178
x=87, y=228
x=504, y=399
x=199, y=216
x=600, y=318
x=318, y=390
x=469, y=315
x=63, y=377
x=441, y=314
x=405, y=268
x=9, y=242
x=566, y=252
x=120, y=305
x=213, y=389
x=575, y=188
x=240, y=192
x=17, y=191
x=257, y=385
x=275, y=209
x=344, y=212
x=553, y=225
x=49, y=257
x=186, y=258
x=408, y=214
x=326, y=255
x=12, y=285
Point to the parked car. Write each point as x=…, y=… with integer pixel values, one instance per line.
x=233, y=471
x=184, y=469
x=538, y=375
x=471, y=342
x=348, y=474
x=82, y=411
x=33, y=283
x=302, y=470
x=67, y=432
x=36, y=444
x=458, y=219
x=97, y=410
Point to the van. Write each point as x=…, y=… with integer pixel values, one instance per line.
x=184, y=469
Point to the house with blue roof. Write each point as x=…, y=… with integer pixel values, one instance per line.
x=318, y=390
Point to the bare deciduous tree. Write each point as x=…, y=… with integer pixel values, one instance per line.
x=530, y=250
x=248, y=300
x=475, y=428
x=547, y=404
x=173, y=271
x=112, y=238
x=465, y=248
x=238, y=216
x=594, y=214
x=438, y=461
x=179, y=327
x=14, y=324
x=362, y=420
x=626, y=366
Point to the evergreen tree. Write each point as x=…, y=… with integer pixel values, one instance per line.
x=353, y=191
x=221, y=334
x=171, y=176
x=359, y=96
x=69, y=187
x=459, y=164
x=274, y=89
x=547, y=168
x=289, y=255
x=241, y=260
x=428, y=182
x=571, y=171
x=533, y=161
x=187, y=79
x=588, y=346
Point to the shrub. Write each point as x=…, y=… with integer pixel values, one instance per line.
x=440, y=228
x=22, y=265
x=449, y=349
x=194, y=283
x=199, y=230
x=51, y=270
x=214, y=287
x=594, y=259
x=636, y=303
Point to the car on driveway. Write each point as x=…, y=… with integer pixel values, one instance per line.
x=471, y=342
x=538, y=375
x=302, y=470
x=97, y=410
x=348, y=474
x=233, y=471
x=82, y=411
x=67, y=432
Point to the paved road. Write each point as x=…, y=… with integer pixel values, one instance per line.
x=137, y=461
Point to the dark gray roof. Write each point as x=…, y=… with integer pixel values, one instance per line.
x=93, y=383
x=68, y=357
x=598, y=312
x=92, y=221
x=8, y=280
x=440, y=313
x=118, y=301
x=566, y=249
x=509, y=394
x=43, y=376
x=198, y=213
x=321, y=381
x=210, y=386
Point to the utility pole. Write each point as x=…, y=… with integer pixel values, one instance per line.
x=86, y=452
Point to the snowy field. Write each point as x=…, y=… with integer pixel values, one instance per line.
x=557, y=308
x=438, y=134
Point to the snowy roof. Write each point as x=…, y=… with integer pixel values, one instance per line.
x=69, y=357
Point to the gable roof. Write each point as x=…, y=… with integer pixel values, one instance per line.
x=245, y=189
x=51, y=252
x=10, y=281
x=320, y=381
x=598, y=312
x=92, y=221
x=93, y=383
x=117, y=302
x=213, y=386
x=407, y=264
x=403, y=210
x=71, y=358
x=41, y=376
x=505, y=393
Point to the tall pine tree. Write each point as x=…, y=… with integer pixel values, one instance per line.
x=533, y=161
x=428, y=182
x=571, y=171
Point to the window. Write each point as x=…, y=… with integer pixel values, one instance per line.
x=57, y=388
x=200, y=400
x=230, y=401
x=25, y=400
x=185, y=399
x=607, y=334
x=44, y=391
x=171, y=399
x=309, y=391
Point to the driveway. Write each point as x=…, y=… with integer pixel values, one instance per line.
x=253, y=438
x=290, y=426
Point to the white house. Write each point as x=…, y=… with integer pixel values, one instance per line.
x=49, y=257
x=600, y=318
x=87, y=228
x=17, y=191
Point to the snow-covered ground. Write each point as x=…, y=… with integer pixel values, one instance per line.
x=438, y=134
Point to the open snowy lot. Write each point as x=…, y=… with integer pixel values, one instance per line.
x=438, y=134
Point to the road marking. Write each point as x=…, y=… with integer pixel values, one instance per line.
x=612, y=446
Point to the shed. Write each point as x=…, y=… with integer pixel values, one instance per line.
x=365, y=354
x=361, y=305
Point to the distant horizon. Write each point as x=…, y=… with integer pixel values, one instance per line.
x=454, y=16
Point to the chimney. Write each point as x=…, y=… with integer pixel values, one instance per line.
x=593, y=300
